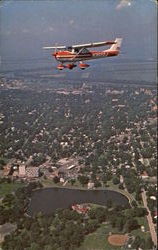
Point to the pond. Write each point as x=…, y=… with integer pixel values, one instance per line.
x=48, y=200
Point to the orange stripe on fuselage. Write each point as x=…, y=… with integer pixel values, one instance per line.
x=105, y=53
x=64, y=56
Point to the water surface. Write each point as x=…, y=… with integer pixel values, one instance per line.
x=48, y=200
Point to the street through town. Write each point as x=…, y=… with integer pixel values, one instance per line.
x=149, y=219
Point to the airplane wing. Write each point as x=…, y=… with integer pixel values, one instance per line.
x=90, y=45
x=55, y=47
x=79, y=46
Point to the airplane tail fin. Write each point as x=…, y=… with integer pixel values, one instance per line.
x=117, y=44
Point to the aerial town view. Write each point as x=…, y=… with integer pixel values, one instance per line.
x=78, y=137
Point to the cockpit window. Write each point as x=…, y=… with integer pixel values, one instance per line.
x=84, y=51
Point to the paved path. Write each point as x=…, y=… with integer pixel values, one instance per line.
x=65, y=183
x=149, y=219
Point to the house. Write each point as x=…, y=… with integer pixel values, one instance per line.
x=81, y=209
x=142, y=229
x=62, y=180
x=90, y=185
x=71, y=167
x=153, y=198
x=6, y=170
x=15, y=174
x=144, y=175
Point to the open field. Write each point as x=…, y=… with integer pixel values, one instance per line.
x=6, y=188
x=138, y=232
x=98, y=240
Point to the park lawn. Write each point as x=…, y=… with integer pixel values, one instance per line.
x=143, y=235
x=7, y=188
x=138, y=232
x=143, y=222
x=77, y=185
x=99, y=239
x=49, y=183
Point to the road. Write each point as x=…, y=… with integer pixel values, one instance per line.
x=149, y=219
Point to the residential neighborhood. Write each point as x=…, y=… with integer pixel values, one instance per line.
x=87, y=136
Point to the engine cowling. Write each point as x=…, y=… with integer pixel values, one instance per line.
x=83, y=65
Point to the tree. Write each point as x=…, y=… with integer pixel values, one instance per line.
x=134, y=203
x=115, y=180
x=142, y=244
x=108, y=176
x=121, y=186
x=91, y=226
x=48, y=247
x=130, y=188
x=72, y=181
x=2, y=163
x=97, y=184
x=149, y=243
x=138, y=197
x=140, y=212
x=120, y=221
x=102, y=160
x=104, y=179
x=56, y=179
x=131, y=224
x=146, y=152
x=8, y=200
x=34, y=246
x=98, y=213
x=83, y=179
x=137, y=242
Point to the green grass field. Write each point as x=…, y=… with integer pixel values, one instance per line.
x=49, y=183
x=98, y=240
x=138, y=232
x=6, y=188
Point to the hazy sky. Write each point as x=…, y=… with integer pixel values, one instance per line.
x=27, y=26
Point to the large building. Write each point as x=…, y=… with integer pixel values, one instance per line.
x=22, y=171
x=32, y=172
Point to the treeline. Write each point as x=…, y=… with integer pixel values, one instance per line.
x=66, y=229
x=13, y=206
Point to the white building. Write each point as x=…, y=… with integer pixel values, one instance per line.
x=22, y=171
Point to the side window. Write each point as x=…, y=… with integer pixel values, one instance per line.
x=84, y=51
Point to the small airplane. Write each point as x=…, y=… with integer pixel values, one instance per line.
x=80, y=53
